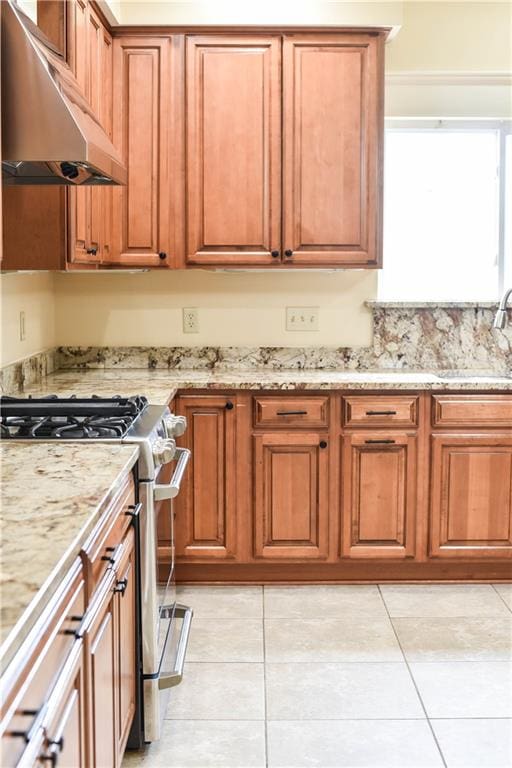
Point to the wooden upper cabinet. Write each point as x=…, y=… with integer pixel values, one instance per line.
x=233, y=156
x=378, y=494
x=206, y=507
x=291, y=507
x=332, y=154
x=143, y=119
x=90, y=46
x=471, y=496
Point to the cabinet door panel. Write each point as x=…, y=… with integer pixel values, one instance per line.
x=141, y=119
x=471, y=514
x=102, y=676
x=64, y=723
x=291, y=496
x=95, y=44
x=205, y=508
x=79, y=199
x=379, y=495
x=233, y=149
x=332, y=148
x=105, y=116
x=126, y=641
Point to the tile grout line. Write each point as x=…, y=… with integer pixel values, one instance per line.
x=413, y=680
x=264, y=673
x=501, y=598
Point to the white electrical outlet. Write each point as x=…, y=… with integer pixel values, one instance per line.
x=302, y=318
x=190, y=320
x=23, y=329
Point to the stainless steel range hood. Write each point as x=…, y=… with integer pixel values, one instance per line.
x=49, y=133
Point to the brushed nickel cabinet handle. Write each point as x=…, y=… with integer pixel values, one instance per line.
x=381, y=413
x=380, y=442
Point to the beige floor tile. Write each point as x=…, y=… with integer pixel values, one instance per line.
x=462, y=689
x=455, y=639
x=371, y=639
x=442, y=600
x=354, y=743
x=505, y=592
x=340, y=691
x=223, y=602
x=204, y=744
x=226, y=640
x=219, y=692
x=333, y=601
x=475, y=743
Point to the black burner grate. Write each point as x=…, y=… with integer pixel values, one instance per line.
x=68, y=418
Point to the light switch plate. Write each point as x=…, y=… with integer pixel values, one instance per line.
x=302, y=318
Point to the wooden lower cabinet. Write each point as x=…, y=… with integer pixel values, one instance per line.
x=291, y=493
x=206, y=507
x=327, y=486
x=471, y=496
x=379, y=481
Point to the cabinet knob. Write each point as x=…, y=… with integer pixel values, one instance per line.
x=162, y=255
x=288, y=253
x=229, y=406
x=275, y=254
x=92, y=251
x=323, y=444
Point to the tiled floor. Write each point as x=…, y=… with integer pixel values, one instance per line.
x=342, y=676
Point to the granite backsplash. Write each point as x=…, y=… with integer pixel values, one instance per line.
x=406, y=337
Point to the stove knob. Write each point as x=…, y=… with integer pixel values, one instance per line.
x=175, y=426
x=164, y=450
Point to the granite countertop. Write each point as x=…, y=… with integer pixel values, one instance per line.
x=160, y=385
x=51, y=497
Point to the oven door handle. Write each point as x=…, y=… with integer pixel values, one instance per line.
x=171, y=490
x=176, y=676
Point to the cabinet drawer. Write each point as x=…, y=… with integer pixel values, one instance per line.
x=380, y=411
x=472, y=410
x=291, y=412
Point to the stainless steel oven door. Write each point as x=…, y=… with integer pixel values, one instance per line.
x=165, y=625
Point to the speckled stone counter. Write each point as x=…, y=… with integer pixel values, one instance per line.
x=160, y=386
x=51, y=497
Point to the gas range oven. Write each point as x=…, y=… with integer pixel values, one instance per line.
x=163, y=624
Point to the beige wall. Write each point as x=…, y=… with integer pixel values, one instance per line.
x=452, y=37
x=233, y=309
x=34, y=295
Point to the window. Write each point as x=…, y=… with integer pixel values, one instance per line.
x=446, y=233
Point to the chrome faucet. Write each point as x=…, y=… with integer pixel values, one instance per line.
x=500, y=319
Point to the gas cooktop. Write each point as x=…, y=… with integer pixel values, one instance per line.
x=69, y=418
